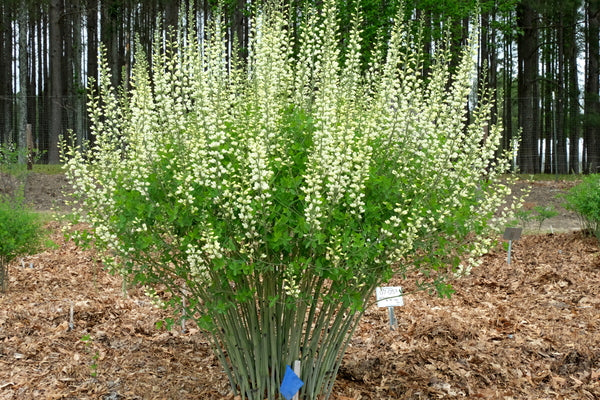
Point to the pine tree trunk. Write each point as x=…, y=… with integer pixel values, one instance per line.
x=6, y=91
x=78, y=99
x=547, y=88
x=507, y=109
x=92, y=44
x=43, y=79
x=528, y=58
x=561, y=101
x=33, y=68
x=22, y=97
x=67, y=65
x=592, y=101
x=572, y=89
x=110, y=18
x=56, y=84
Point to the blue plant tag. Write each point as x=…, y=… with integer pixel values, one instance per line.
x=291, y=383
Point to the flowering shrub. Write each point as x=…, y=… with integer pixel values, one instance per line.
x=275, y=195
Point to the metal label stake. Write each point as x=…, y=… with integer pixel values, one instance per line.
x=511, y=234
x=390, y=297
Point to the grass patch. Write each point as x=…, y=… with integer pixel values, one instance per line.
x=549, y=177
x=48, y=169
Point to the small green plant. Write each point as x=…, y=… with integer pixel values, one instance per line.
x=543, y=213
x=88, y=341
x=538, y=214
x=523, y=217
x=584, y=199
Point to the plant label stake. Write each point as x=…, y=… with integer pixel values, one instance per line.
x=291, y=382
x=511, y=234
x=390, y=297
x=183, y=314
x=296, y=368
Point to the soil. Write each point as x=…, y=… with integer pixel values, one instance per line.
x=548, y=193
x=45, y=192
x=525, y=330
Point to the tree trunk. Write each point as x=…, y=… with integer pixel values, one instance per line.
x=44, y=82
x=67, y=65
x=92, y=50
x=547, y=90
x=111, y=17
x=6, y=73
x=561, y=102
x=171, y=17
x=78, y=85
x=528, y=113
x=571, y=51
x=507, y=109
x=22, y=97
x=239, y=29
x=592, y=100
x=56, y=84
x=33, y=69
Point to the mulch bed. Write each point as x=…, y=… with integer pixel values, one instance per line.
x=528, y=330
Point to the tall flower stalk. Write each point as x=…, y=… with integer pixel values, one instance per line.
x=275, y=194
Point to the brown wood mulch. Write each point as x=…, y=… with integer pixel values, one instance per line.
x=529, y=330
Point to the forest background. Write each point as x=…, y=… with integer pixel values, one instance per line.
x=540, y=57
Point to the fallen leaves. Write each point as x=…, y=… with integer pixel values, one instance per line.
x=528, y=330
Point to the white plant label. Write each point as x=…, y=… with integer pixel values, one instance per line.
x=389, y=296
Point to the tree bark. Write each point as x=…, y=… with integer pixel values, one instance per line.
x=110, y=19
x=528, y=113
x=6, y=73
x=239, y=28
x=571, y=50
x=56, y=84
x=561, y=101
x=44, y=82
x=507, y=109
x=33, y=53
x=78, y=85
x=22, y=97
x=172, y=17
x=592, y=100
x=67, y=64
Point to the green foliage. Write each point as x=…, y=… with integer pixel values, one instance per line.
x=20, y=233
x=88, y=341
x=538, y=214
x=20, y=230
x=523, y=217
x=543, y=213
x=48, y=169
x=18, y=227
x=584, y=199
x=274, y=196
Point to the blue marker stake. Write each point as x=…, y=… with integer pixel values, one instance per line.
x=291, y=383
